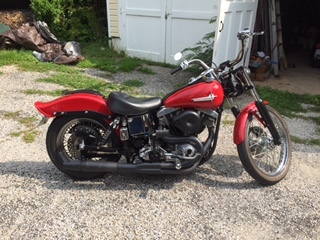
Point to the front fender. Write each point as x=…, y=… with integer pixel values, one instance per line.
x=239, y=131
x=74, y=103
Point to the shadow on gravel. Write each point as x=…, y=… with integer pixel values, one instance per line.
x=222, y=171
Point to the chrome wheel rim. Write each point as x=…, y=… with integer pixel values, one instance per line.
x=269, y=158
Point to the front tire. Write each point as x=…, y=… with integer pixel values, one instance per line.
x=263, y=160
x=66, y=133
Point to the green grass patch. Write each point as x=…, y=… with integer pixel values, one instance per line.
x=27, y=121
x=288, y=103
x=27, y=62
x=79, y=81
x=100, y=56
x=29, y=134
x=147, y=70
x=133, y=83
x=55, y=93
x=74, y=81
x=305, y=141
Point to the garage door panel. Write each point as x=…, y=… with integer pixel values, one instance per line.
x=187, y=23
x=186, y=33
x=144, y=28
x=144, y=5
x=192, y=5
x=139, y=37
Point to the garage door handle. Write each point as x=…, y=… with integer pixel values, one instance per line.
x=222, y=26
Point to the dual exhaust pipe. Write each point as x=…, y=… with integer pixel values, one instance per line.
x=187, y=166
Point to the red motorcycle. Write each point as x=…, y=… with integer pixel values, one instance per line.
x=91, y=134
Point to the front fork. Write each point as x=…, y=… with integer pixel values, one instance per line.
x=260, y=105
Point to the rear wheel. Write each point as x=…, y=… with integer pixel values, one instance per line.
x=263, y=160
x=67, y=133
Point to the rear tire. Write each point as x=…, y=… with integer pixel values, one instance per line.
x=63, y=143
x=265, y=162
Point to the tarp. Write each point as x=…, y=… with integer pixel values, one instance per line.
x=37, y=37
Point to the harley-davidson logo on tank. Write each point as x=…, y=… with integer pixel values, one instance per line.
x=210, y=98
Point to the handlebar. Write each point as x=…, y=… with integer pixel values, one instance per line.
x=242, y=36
x=185, y=64
x=176, y=70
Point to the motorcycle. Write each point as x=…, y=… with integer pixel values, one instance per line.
x=91, y=134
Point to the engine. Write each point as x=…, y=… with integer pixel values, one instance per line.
x=171, y=137
x=188, y=121
x=184, y=122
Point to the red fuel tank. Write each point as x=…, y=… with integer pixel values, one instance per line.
x=208, y=95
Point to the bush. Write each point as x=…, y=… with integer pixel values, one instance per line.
x=82, y=21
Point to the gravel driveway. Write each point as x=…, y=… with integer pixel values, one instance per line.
x=217, y=201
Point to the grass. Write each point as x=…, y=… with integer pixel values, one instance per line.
x=27, y=62
x=287, y=103
x=133, y=83
x=29, y=133
x=305, y=141
x=290, y=104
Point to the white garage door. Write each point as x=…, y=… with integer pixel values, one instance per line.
x=156, y=29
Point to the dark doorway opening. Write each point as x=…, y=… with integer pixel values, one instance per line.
x=14, y=4
x=301, y=31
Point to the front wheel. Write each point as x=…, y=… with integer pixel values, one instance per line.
x=263, y=160
x=65, y=136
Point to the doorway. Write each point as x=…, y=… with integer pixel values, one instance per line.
x=301, y=31
x=300, y=25
x=14, y=4
x=300, y=28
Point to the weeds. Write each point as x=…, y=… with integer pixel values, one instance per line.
x=29, y=134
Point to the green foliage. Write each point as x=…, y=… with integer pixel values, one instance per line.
x=82, y=21
x=204, y=48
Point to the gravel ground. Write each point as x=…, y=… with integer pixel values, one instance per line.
x=217, y=201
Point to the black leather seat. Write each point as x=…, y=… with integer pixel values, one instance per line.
x=125, y=104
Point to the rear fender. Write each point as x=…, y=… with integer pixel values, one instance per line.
x=78, y=102
x=239, y=132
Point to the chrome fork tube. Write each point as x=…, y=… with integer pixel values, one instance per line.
x=245, y=74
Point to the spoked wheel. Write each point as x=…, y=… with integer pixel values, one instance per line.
x=263, y=160
x=67, y=134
